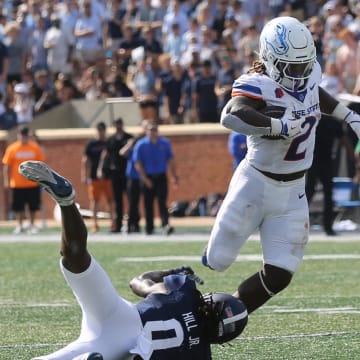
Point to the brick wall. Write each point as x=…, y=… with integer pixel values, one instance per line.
x=203, y=163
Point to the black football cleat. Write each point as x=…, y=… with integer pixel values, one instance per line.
x=60, y=189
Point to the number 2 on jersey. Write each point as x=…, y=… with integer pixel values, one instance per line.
x=292, y=153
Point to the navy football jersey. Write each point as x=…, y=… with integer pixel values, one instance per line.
x=172, y=322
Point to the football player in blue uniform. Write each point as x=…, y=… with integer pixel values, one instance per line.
x=267, y=190
x=174, y=321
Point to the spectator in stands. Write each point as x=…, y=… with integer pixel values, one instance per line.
x=66, y=90
x=192, y=35
x=16, y=49
x=204, y=15
x=8, y=117
x=4, y=67
x=143, y=87
x=98, y=187
x=347, y=60
x=330, y=79
x=153, y=174
x=257, y=10
x=208, y=48
x=43, y=92
x=241, y=16
x=68, y=16
x=91, y=83
x=130, y=18
x=249, y=41
x=34, y=10
x=232, y=25
x=224, y=79
x=218, y=25
x=331, y=40
x=175, y=88
x=37, y=54
x=152, y=47
x=58, y=46
x=126, y=46
x=117, y=167
x=23, y=103
x=175, y=15
x=316, y=27
x=114, y=25
x=157, y=16
x=204, y=99
x=174, y=41
x=192, y=53
x=121, y=89
x=143, y=15
x=206, y=9
x=88, y=34
x=25, y=193
x=276, y=7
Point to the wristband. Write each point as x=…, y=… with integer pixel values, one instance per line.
x=276, y=126
x=342, y=112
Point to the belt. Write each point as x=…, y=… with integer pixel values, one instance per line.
x=283, y=177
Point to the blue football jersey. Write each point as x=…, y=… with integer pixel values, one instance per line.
x=172, y=323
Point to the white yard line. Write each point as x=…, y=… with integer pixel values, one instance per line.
x=180, y=236
x=299, y=336
x=239, y=258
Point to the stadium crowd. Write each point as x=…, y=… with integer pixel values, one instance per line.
x=172, y=55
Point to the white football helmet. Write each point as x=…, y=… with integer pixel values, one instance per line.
x=288, y=52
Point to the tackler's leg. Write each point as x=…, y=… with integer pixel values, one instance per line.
x=260, y=287
x=75, y=256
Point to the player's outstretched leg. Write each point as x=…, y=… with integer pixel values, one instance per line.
x=56, y=185
x=74, y=233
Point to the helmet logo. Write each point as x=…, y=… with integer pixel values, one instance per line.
x=279, y=44
x=228, y=311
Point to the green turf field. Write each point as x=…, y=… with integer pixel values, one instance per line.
x=317, y=317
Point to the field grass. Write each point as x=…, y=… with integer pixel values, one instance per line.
x=317, y=317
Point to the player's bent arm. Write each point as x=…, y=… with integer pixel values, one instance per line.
x=152, y=281
x=241, y=114
x=329, y=105
x=143, y=287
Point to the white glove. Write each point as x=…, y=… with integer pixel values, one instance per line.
x=285, y=127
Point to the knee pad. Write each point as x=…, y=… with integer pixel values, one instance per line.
x=274, y=279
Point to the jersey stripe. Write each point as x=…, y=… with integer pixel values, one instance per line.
x=247, y=90
x=239, y=93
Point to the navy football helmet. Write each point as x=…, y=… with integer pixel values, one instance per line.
x=226, y=319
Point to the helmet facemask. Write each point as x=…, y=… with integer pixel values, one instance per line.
x=294, y=76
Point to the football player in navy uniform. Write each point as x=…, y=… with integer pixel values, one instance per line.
x=267, y=190
x=174, y=321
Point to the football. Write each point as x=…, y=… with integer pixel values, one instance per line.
x=273, y=111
